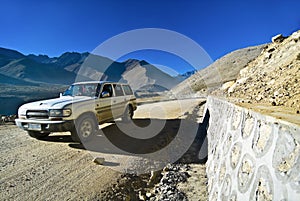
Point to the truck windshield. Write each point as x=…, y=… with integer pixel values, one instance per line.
x=90, y=89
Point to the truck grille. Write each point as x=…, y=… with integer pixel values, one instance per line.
x=37, y=114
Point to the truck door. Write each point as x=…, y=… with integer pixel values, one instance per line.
x=104, y=103
x=119, y=101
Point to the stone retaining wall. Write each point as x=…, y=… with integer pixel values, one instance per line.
x=251, y=156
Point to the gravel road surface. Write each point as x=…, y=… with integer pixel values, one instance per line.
x=56, y=168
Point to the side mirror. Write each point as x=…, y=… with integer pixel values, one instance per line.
x=105, y=94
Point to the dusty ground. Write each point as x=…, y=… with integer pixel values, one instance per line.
x=31, y=169
x=57, y=168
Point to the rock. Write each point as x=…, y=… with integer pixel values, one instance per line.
x=259, y=97
x=231, y=89
x=271, y=50
x=99, y=160
x=141, y=196
x=242, y=80
x=12, y=185
x=155, y=175
x=148, y=195
x=172, y=174
x=296, y=36
x=226, y=85
x=278, y=38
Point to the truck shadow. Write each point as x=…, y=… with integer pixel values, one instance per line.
x=148, y=136
x=58, y=138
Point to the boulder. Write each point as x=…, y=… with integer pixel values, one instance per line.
x=226, y=85
x=278, y=38
x=99, y=160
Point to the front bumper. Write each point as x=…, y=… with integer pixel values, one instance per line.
x=46, y=125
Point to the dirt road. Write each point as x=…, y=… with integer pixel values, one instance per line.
x=54, y=169
x=47, y=170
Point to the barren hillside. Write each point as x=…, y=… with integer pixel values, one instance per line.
x=223, y=70
x=267, y=74
x=273, y=77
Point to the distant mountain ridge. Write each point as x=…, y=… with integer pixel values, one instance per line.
x=27, y=78
x=73, y=66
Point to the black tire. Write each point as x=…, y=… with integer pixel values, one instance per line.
x=85, y=128
x=128, y=114
x=38, y=135
x=74, y=135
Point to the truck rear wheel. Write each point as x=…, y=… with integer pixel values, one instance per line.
x=128, y=114
x=37, y=134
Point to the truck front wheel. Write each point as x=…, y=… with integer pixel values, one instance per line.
x=85, y=128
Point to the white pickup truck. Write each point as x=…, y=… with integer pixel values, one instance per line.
x=79, y=110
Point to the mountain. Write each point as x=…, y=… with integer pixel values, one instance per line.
x=7, y=56
x=28, y=70
x=222, y=70
x=73, y=66
x=66, y=59
x=273, y=77
x=12, y=81
x=186, y=75
x=265, y=75
x=33, y=77
x=142, y=75
x=10, y=54
x=32, y=69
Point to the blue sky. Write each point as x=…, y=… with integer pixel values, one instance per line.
x=54, y=27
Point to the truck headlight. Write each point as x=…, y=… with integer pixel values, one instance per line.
x=60, y=113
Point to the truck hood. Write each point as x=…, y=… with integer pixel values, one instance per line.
x=56, y=103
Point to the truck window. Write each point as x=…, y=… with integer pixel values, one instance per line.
x=107, y=88
x=127, y=90
x=118, y=90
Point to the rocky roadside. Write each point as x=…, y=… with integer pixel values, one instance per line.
x=175, y=182
x=184, y=180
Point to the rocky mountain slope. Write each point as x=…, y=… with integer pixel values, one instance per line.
x=222, y=70
x=267, y=74
x=273, y=77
